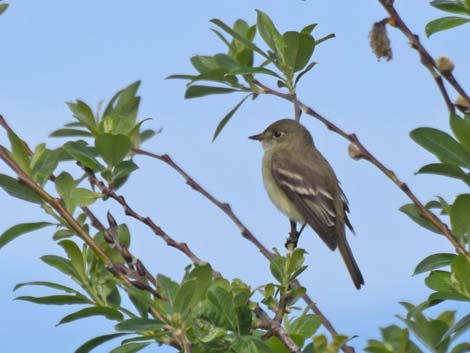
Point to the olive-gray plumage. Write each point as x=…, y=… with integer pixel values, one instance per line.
x=302, y=184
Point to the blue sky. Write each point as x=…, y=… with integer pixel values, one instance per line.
x=57, y=51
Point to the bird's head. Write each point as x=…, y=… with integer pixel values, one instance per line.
x=282, y=133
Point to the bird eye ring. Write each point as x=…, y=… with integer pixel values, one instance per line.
x=278, y=134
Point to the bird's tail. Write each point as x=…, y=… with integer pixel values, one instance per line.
x=350, y=262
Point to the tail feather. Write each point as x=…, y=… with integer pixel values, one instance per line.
x=350, y=262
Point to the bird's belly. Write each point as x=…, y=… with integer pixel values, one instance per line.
x=280, y=200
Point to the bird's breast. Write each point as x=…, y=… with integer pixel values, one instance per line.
x=277, y=196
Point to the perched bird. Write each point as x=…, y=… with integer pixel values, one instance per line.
x=302, y=184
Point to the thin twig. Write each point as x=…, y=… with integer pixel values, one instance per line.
x=365, y=154
x=246, y=233
x=277, y=330
x=129, y=211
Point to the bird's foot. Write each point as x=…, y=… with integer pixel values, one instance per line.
x=291, y=242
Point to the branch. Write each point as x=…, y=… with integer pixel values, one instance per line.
x=426, y=58
x=136, y=268
x=246, y=233
x=361, y=152
x=129, y=211
x=276, y=329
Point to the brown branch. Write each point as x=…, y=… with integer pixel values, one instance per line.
x=426, y=58
x=129, y=211
x=275, y=327
x=60, y=209
x=364, y=153
x=246, y=233
x=136, y=268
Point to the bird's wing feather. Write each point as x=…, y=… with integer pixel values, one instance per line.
x=310, y=194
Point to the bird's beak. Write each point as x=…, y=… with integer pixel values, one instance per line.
x=258, y=137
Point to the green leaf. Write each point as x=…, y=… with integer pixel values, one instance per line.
x=325, y=38
x=181, y=77
x=45, y=165
x=460, y=275
x=64, y=185
x=451, y=6
x=124, y=104
x=239, y=37
x=308, y=29
x=461, y=348
x=444, y=23
x=109, y=313
x=123, y=169
x=462, y=324
x=442, y=145
x=306, y=70
x=83, y=113
x=70, y=133
x=3, y=8
x=75, y=256
x=306, y=325
x=88, y=346
x=55, y=299
x=196, y=91
x=83, y=197
x=37, y=154
x=441, y=296
x=48, y=285
x=62, y=264
x=412, y=211
x=19, y=152
x=130, y=348
x=461, y=129
x=113, y=148
x=185, y=297
x=141, y=300
x=269, y=33
x=139, y=325
x=439, y=281
x=169, y=290
x=433, y=262
x=79, y=151
x=459, y=216
x=298, y=50
x=448, y=170
x=295, y=262
x=147, y=134
x=253, y=70
x=222, y=38
x=227, y=117
x=223, y=301
x=225, y=61
x=276, y=267
x=16, y=189
x=203, y=63
x=20, y=229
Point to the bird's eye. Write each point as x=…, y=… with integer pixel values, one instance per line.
x=278, y=134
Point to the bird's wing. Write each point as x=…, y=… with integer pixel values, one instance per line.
x=346, y=210
x=310, y=194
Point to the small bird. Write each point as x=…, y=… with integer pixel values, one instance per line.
x=301, y=184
